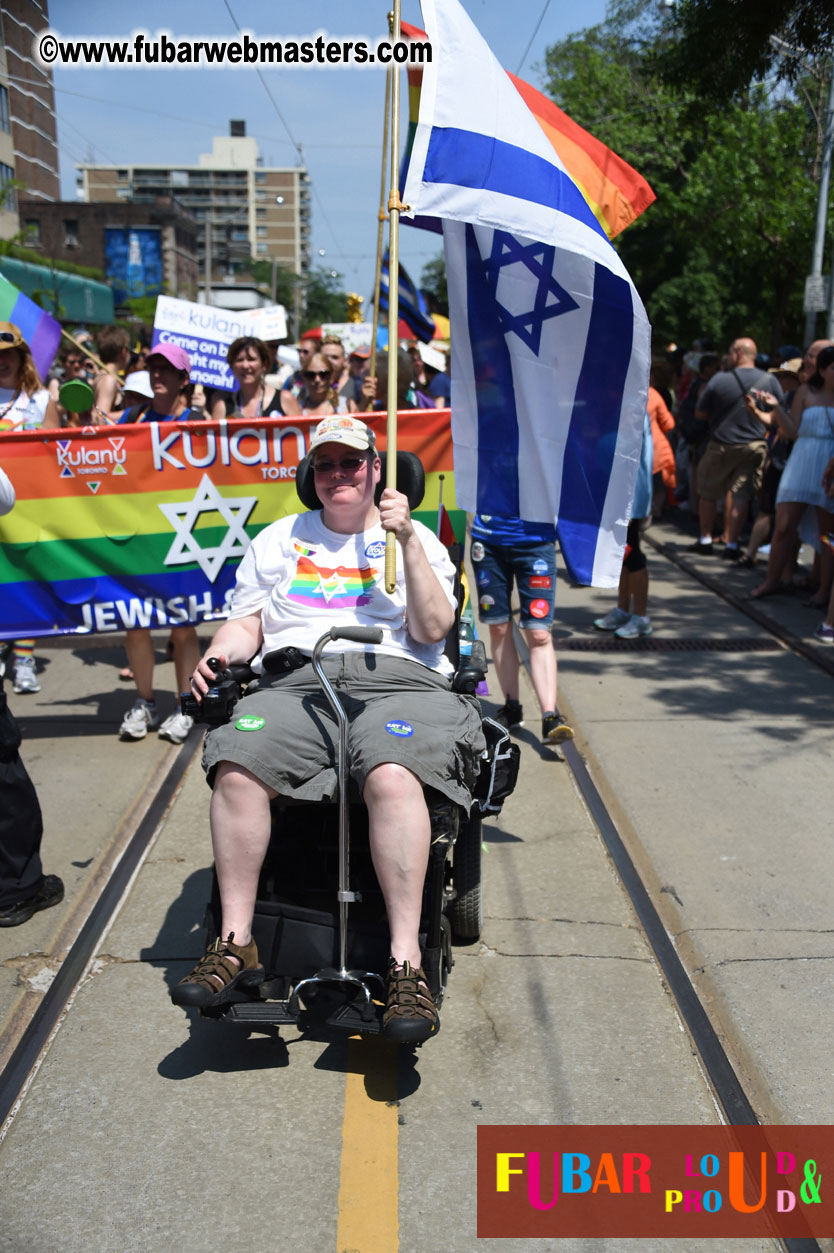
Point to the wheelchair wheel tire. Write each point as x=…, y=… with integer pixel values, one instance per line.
x=465, y=912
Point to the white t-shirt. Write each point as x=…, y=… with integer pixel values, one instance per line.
x=305, y=578
x=27, y=412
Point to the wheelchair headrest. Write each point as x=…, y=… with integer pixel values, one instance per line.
x=411, y=480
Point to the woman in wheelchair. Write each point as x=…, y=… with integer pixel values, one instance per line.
x=407, y=728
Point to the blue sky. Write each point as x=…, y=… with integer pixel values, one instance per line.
x=112, y=116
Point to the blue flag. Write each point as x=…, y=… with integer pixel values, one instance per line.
x=413, y=308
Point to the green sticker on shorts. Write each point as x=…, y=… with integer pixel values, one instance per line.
x=250, y=723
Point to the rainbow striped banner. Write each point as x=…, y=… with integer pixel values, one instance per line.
x=40, y=330
x=145, y=525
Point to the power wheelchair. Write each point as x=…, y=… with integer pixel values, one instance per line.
x=320, y=923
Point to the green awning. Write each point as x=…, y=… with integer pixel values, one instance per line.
x=69, y=297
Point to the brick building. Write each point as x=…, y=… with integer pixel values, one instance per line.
x=28, y=139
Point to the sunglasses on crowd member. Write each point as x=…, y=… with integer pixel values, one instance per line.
x=325, y=466
x=315, y=374
x=7, y=337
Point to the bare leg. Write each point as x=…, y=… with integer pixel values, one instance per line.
x=542, y=668
x=825, y=521
x=735, y=518
x=186, y=655
x=240, y=826
x=639, y=590
x=759, y=533
x=624, y=591
x=139, y=646
x=504, y=657
x=784, y=529
x=707, y=509
x=399, y=831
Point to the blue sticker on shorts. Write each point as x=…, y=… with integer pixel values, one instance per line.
x=402, y=729
x=376, y=548
x=539, y=566
x=483, y=578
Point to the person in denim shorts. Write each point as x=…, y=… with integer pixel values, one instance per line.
x=506, y=551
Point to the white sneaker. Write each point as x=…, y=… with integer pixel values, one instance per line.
x=25, y=675
x=634, y=627
x=176, y=728
x=139, y=720
x=616, y=618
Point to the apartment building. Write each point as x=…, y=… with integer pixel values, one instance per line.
x=242, y=207
x=28, y=139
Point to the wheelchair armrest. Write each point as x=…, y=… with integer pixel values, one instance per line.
x=472, y=668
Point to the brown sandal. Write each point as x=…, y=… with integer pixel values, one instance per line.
x=225, y=968
x=410, y=1014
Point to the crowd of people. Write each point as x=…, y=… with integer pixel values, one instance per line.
x=742, y=443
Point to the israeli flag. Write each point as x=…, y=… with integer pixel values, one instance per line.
x=550, y=341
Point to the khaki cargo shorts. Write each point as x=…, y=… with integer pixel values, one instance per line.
x=735, y=468
x=398, y=710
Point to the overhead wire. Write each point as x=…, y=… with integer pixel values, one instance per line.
x=533, y=36
x=298, y=147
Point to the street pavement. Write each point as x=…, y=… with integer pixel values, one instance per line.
x=145, y=1129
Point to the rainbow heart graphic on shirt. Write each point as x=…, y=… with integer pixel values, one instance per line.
x=345, y=587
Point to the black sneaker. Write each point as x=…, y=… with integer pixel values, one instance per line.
x=706, y=549
x=51, y=892
x=732, y=554
x=555, y=730
x=512, y=715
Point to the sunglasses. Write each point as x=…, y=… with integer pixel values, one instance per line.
x=316, y=374
x=347, y=463
x=7, y=337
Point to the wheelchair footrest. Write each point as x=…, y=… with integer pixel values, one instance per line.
x=256, y=1013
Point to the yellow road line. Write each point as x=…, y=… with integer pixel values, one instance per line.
x=369, y=1182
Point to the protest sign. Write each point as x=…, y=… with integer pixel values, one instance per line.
x=352, y=334
x=205, y=333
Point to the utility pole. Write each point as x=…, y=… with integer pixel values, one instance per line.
x=815, y=301
x=207, y=280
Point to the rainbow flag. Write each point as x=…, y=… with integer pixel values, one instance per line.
x=40, y=330
x=615, y=192
x=145, y=525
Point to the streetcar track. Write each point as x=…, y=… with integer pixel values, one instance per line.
x=98, y=914
x=710, y=1053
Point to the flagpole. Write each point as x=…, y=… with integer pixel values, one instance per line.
x=382, y=214
x=394, y=207
x=440, y=479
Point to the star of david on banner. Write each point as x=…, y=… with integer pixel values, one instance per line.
x=551, y=299
x=183, y=516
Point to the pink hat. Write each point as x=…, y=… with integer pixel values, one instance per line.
x=173, y=354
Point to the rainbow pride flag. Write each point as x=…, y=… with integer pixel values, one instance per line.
x=615, y=192
x=40, y=330
x=145, y=525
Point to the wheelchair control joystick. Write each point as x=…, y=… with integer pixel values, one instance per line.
x=217, y=704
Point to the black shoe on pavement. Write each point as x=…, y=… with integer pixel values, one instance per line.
x=700, y=547
x=555, y=730
x=51, y=892
x=512, y=715
x=732, y=554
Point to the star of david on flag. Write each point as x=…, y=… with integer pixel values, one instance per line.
x=550, y=341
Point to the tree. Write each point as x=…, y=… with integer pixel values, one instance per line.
x=433, y=285
x=721, y=251
x=719, y=47
x=324, y=297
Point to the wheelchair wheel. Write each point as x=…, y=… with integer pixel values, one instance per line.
x=466, y=912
